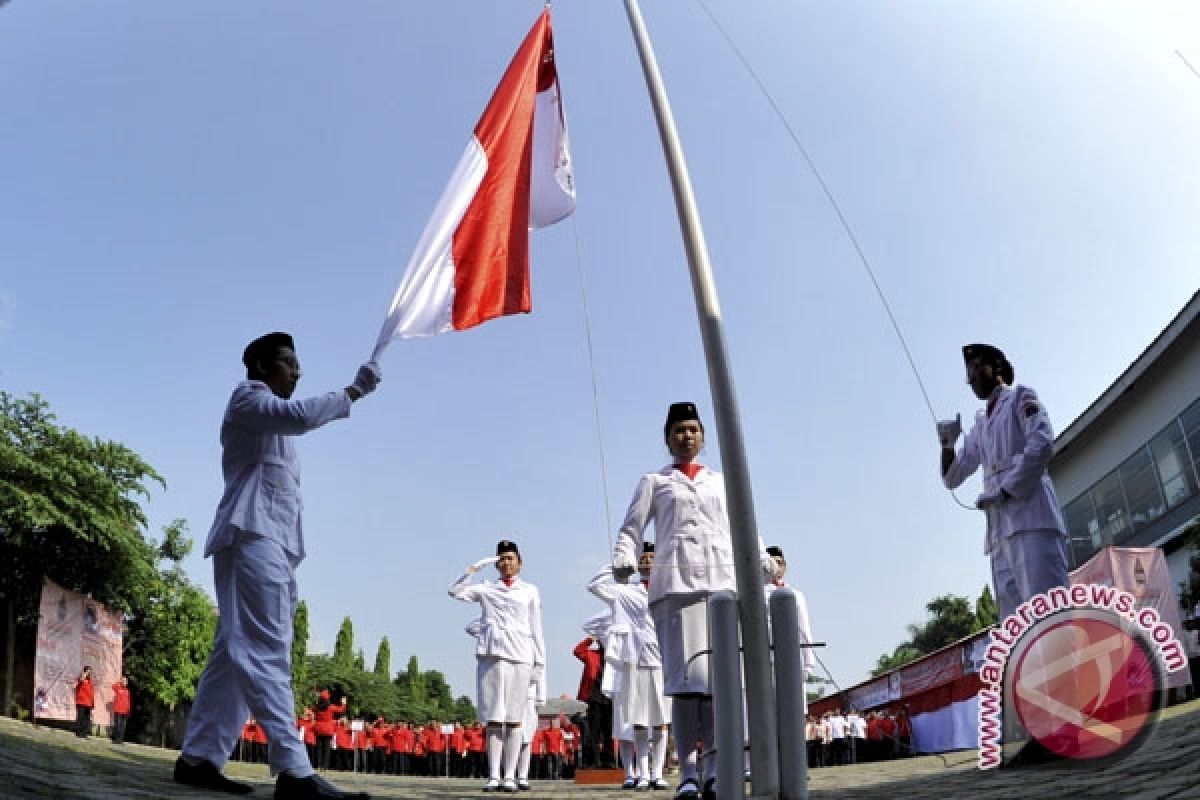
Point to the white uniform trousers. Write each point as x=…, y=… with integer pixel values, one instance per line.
x=681, y=622
x=250, y=667
x=502, y=688
x=1027, y=563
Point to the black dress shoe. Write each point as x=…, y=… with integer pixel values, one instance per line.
x=314, y=787
x=205, y=775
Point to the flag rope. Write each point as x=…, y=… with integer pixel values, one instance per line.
x=587, y=331
x=837, y=210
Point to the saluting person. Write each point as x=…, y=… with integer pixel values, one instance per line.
x=510, y=654
x=256, y=542
x=686, y=502
x=640, y=706
x=1012, y=441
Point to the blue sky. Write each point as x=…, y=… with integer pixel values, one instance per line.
x=179, y=178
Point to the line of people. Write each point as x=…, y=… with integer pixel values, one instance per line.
x=837, y=739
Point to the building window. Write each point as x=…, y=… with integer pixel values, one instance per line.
x=1109, y=500
x=1191, y=433
x=1174, y=464
x=1140, y=482
x=1083, y=530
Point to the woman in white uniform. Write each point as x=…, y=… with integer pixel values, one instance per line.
x=510, y=656
x=693, y=559
x=640, y=708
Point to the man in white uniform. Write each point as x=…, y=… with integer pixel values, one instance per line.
x=640, y=708
x=1013, y=441
x=256, y=543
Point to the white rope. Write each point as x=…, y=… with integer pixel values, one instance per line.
x=837, y=209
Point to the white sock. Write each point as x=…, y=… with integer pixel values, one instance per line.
x=658, y=753
x=523, y=762
x=495, y=750
x=641, y=740
x=685, y=722
x=706, y=735
x=512, y=751
x=627, y=757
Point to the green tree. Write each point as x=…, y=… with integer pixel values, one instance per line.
x=343, y=648
x=903, y=654
x=68, y=512
x=300, y=687
x=168, y=642
x=987, y=613
x=383, y=658
x=360, y=660
x=952, y=619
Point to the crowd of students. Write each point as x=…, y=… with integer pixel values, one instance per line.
x=836, y=739
x=404, y=747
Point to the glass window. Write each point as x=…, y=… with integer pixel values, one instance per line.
x=1191, y=433
x=1111, y=515
x=1174, y=464
x=1083, y=530
x=1142, y=492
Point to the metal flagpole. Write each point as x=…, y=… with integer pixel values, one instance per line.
x=760, y=690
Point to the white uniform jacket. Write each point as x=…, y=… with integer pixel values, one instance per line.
x=511, y=625
x=693, y=548
x=631, y=637
x=258, y=460
x=803, y=627
x=1013, y=445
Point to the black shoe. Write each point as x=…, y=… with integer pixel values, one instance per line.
x=314, y=787
x=205, y=775
x=710, y=790
x=1033, y=754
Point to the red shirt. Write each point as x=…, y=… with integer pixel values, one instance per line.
x=260, y=734
x=458, y=740
x=433, y=739
x=324, y=719
x=381, y=738
x=310, y=733
x=593, y=662
x=342, y=738
x=85, y=693
x=250, y=732
x=887, y=726
x=402, y=740
x=120, y=698
x=476, y=740
x=554, y=741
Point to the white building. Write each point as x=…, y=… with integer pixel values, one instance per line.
x=1127, y=471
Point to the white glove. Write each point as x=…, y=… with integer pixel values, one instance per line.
x=948, y=431
x=368, y=377
x=770, y=569
x=484, y=562
x=989, y=500
x=623, y=567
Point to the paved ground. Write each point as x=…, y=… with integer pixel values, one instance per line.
x=53, y=765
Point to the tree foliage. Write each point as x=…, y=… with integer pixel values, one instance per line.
x=343, y=648
x=68, y=512
x=987, y=613
x=369, y=694
x=168, y=641
x=383, y=658
x=300, y=654
x=951, y=619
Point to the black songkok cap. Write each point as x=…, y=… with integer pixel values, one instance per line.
x=991, y=355
x=647, y=547
x=678, y=412
x=775, y=551
x=505, y=546
x=265, y=347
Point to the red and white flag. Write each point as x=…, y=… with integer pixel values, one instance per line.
x=472, y=261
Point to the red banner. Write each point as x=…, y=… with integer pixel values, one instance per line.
x=74, y=631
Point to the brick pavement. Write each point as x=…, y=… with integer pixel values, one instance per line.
x=46, y=764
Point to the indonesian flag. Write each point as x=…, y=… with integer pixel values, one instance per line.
x=472, y=261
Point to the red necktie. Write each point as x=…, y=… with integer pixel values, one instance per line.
x=508, y=581
x=691, y=470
